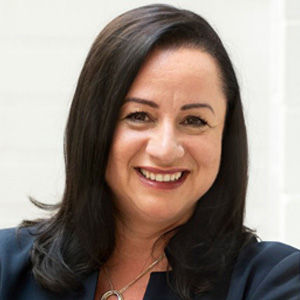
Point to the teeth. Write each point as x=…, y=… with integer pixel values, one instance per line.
x=167, y=177
x=161, y=177
x=177, y=175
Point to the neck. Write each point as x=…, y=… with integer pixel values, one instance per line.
x=141, y=243
x=138, y=246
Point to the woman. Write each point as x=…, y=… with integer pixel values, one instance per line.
x=156, y=177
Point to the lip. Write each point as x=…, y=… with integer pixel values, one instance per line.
x=160, y=171
x=162, y=185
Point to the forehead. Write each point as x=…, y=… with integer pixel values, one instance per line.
x=179, y=76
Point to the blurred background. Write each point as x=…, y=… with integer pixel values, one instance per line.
x=43, y=45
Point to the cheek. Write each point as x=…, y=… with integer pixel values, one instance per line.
x=206, y=156
x=207, y=153
x=126, y=143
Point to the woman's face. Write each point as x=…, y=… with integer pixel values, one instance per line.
x=167, y=145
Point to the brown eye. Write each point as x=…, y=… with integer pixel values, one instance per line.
x=194, y=121
x=139, y=116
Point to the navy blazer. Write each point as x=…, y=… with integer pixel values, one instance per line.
x=263, y=271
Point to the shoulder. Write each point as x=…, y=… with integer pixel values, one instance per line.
x=15, y=263
x=266, y=254
x=15, y=246
x=16, y=276
x=15, y=241
x=266, y=270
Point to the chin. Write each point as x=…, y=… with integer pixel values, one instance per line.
x=163, y=214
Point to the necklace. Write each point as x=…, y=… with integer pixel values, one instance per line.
x=118, y=293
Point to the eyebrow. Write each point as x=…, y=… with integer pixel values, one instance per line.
x=142, y=101
x=155, y=105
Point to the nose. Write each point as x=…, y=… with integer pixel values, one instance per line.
x=163, y=146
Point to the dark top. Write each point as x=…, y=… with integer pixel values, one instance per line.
x=264, y=270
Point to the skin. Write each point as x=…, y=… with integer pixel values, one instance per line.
x=164, y=137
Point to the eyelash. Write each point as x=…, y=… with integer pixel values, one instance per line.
x=133, y=116
x=197, y=120
x=136, y=117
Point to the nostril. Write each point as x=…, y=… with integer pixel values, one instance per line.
x=180, y=150
x=167, y=150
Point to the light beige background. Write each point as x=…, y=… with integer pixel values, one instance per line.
x=43, y=45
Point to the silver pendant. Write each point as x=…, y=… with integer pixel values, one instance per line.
x=111, y=293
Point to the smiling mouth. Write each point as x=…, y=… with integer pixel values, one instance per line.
x=157, y=177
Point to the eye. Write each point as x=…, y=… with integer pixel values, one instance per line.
x=194, y=121
x=138, y=116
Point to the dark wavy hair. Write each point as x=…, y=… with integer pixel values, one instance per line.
x=80, y=236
